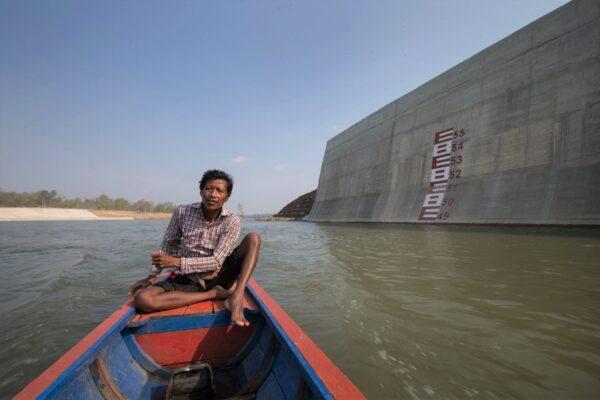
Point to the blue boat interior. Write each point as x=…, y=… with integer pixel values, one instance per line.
x=267, y=366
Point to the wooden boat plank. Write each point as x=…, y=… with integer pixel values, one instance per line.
x=165, y=313
x=265, y=339
x=206, y=345
x=200, y=308
x=252, y=362
x=120, y=363
x=270, y=389
x=104, y=381
x=83, y=387
x=250, y=345
x=256, y=379
x=287, y=370
x=142, y=359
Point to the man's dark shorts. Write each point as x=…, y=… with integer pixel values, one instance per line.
x=227, y=275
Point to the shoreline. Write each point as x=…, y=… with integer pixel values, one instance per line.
x=74, y=214
x=131, y=214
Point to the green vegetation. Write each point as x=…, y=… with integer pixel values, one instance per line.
x=50, y=198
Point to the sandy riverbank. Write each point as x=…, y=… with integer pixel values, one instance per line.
x=131, y=214
x=72, y=214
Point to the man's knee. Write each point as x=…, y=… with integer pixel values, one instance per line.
x=253, y=238
x=144, y=302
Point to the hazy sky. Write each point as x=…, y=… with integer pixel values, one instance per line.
x=138, y=98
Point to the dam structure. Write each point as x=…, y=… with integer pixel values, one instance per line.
x=509, y=136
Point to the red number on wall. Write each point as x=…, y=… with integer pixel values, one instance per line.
x=455, y=174
x=458, y=134
x=456, y=160
x=443, y=215
x=457, y=146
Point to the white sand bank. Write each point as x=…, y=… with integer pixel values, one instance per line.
x=51, y=214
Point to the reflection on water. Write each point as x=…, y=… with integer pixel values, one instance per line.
x=405, y=311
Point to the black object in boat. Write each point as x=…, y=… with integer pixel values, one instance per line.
x=191, y=383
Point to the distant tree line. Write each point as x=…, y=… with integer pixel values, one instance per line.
x=50, y=198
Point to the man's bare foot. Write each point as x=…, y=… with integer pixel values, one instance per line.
x=235, y=305
x=223, y=293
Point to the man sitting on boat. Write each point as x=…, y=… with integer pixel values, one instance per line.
x=198, y=245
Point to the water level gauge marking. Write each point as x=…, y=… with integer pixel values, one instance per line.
x=445, y=161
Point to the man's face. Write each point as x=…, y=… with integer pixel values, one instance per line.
x=214, y=194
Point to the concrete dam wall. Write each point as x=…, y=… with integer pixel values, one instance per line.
x=509, y=136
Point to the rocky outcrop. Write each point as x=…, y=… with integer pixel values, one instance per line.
x=298, y=208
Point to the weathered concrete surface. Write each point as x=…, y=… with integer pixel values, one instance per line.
x=529, y=109
x=49, y=214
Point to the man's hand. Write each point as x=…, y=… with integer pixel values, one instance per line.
x=162, y=261
x=141, y=284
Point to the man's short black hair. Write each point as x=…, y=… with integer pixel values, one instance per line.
x=217, y=174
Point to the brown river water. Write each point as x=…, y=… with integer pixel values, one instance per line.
x=406, y=311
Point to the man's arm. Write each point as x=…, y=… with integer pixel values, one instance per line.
x=222, y=250
x=170, y=244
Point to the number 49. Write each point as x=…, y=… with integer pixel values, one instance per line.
x=443, y=215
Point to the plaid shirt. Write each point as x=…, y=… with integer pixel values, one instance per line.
x=201, y=246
